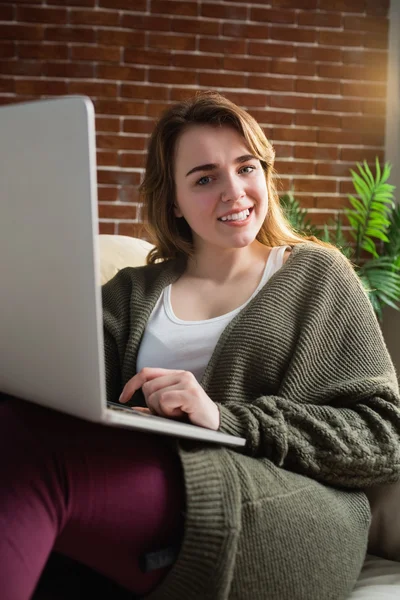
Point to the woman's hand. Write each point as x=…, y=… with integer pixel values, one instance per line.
x=174, y=394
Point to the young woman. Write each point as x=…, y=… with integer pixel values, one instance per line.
x=240, y=325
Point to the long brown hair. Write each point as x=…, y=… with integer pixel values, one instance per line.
x=172, y=236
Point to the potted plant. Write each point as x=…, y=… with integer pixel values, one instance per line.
x=374, y=222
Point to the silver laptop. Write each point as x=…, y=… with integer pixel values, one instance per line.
x=51, y=331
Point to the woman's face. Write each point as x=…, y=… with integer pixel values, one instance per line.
x=221, y=188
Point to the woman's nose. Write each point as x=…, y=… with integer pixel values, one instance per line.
x=232, y=190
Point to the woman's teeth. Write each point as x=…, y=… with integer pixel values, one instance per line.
x=236, y=216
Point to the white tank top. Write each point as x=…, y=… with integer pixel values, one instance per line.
x=171, y=343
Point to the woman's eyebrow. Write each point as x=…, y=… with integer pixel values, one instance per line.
x=213, y=166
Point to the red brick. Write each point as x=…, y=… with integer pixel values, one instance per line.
x=365, y=57
x=148, y=57
x=368, y=24
x=17, y=32
x=293, y=34
x=43, y=50
x=317, y=86
x=342, y=5
x=283, y=150
x=138, y=126
x=103, y=53
x=319, y=19
x=171, y=42
x=333, y=169
x=107, y=193
x=346, y=187
x=374, y=125
x=196, y=61
x=68, y=69
x=120, y=142
x=107, y=124
x=21, y=67
x=246, y=99
x=318, y=54
x=119, y=107
x=273, y=84
x=221, y=11
x=315, y=185
x=272, y=117
x=131, y=160
x=107, y=228
x=129, y=194
x=374, y=107
x=40, y=87
x=339, y=105
x=293, y=67
x=339, y=137
x=8, y=50
x=223, y=80
x=376, y=40
x=292, y=167
x=146, y=22
x=75, y=2
x=294, y=4
x=139, y=5
x=381, y=8
x=246, y=30
x=318, y=120
x=222, y=46
x=29, y=14
x=7, y=86
x=272, y=16
x=351, y=72
x=93, y=88
x=271, y=49
x=94, y=17
x=363, y=89
x=291, y=101
x=117, y=211
x=335, y=202
x=127, y=39
x=120, y=73
x=355, y=155
x=170, y=7
x=321, y=219
x=317, y=152
x=144, y=92
x=294, y=134
x=137, y=230
x=70, y=34
x=7, y=12
x=340, y=38
x=117, y=177
x=154, y=109
x=173, y=76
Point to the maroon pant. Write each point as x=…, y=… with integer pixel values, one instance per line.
x=100, y=495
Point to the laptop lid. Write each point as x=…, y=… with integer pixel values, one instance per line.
x=50, y=344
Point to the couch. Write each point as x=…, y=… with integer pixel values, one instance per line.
x=379, y=579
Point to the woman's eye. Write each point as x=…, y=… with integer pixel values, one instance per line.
x=203, y=180
x=247, y=169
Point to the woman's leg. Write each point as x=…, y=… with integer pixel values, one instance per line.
x=100, y=495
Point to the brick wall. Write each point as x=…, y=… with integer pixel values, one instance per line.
x=312, y=72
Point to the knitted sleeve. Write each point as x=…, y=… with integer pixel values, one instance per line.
x=336, y=417
x=116, y=294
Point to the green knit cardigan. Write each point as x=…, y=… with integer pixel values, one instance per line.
x=303, y=373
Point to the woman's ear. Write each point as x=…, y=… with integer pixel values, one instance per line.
x=177, y=211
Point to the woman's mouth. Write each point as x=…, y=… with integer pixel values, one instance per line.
x=237, y=219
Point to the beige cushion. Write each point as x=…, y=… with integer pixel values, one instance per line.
x=119, y=251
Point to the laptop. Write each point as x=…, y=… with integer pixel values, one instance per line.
x=51, y=330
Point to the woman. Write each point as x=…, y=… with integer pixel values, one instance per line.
x=245, y=327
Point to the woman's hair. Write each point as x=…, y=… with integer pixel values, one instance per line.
x=172, y=236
